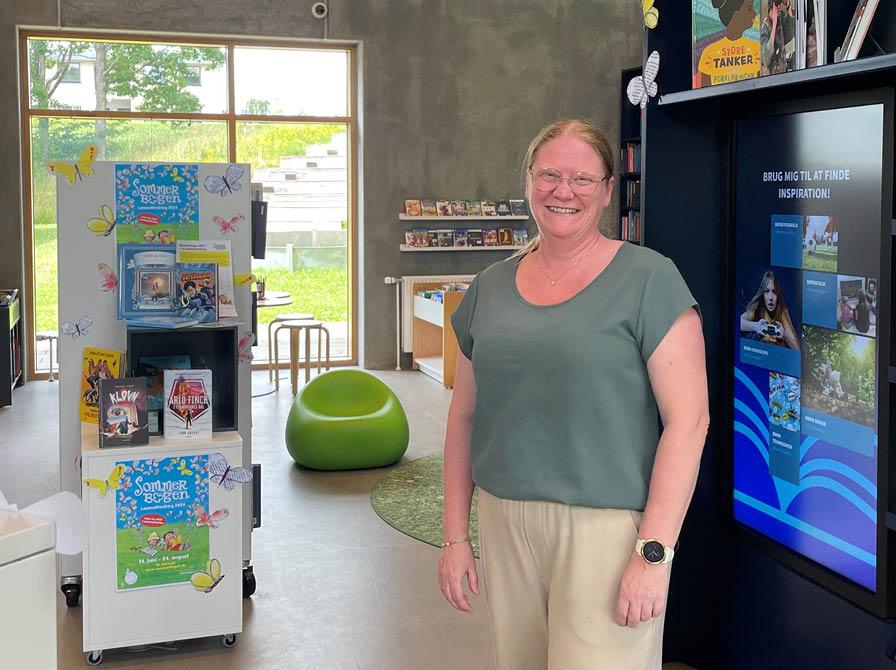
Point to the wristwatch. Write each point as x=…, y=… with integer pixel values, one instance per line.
x=654, y=551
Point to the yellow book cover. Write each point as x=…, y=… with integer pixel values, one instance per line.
x=96, y=365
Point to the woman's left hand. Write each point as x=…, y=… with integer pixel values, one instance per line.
x=642, y=592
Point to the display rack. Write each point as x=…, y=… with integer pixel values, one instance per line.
x=435, y=345
x=630, y=163
x=405, y=247
x=406, y=217
x=10, y=346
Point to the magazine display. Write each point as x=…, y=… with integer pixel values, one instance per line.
x=188, y=404
x=122, y=412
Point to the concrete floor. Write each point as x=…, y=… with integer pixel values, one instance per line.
x=337, y=587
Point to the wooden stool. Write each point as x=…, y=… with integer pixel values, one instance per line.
x=51, y=336
x=272, y=365
x=295, y=328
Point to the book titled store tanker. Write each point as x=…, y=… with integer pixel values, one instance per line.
x=725, y=42
x=122, y=412
x=188, y=404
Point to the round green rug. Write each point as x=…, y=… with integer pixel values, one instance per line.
x=410, y=500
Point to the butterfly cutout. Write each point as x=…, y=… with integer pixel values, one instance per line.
x=203, y=518
x=83, y=167
x=228, y=226
x=228, y=183
x=77, y=329
x=206, y=580
x=651, y=14
x=183, y=470
x=220, y=472
x=105, y=224
x=641, y=88
x=243, y=278
x=244, y=346
x=110, y=281
x=175, y=175
x=113, y=481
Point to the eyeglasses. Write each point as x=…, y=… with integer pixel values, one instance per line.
x=582, y=183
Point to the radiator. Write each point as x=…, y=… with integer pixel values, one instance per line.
x=406, y=303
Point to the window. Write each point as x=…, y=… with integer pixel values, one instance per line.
x=169, y=101
x=72, y=74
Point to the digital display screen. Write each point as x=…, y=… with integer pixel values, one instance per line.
x=807, y=231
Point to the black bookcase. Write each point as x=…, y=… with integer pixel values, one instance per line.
x=629, y=170
x=10, y=345
x=737, y=601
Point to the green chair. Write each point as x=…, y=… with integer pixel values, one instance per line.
x=346, y=420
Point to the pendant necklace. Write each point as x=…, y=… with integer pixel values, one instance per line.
x=552, y=281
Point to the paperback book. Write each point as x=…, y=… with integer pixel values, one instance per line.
x=474, y=237
x=446, y=237
x=197, y=285
x=520, y=237
x=490, y=237
x=153, y=368
x=518, y=208
x=122, y=411
x=505, y=237
x=188, y=404
x=459, y=207
x=428, y=207
x=443, y=207
x=460, y=237
x=502, y=208
x=488, y=208
x=412, y=207
x=724, y=42
x=474, y=208
x=97, y=365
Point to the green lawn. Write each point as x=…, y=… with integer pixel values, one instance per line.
x=322, y=292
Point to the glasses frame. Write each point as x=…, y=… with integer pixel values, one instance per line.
x=579, y=190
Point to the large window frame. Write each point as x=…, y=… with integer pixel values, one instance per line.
x=27, y=114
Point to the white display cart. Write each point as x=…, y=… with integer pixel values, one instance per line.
x=113, y=618
x=82, y=293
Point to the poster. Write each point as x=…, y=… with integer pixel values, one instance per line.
x=157, y=538
x=156, y=203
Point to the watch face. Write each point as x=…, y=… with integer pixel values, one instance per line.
x=653, y=551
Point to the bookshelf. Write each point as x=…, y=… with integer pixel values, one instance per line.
x=11, y=346
x=435, y=345
x=629, y=180
x=687, y=178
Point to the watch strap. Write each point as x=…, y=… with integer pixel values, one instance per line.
x=668, y=555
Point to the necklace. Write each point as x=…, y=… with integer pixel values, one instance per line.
x=552, y=281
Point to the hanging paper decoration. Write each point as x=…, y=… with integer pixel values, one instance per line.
x=206, y=580
x=110, y=281
x=113, y=481
x=244, y=346
x=228, y=226
x=243, y=278
x=83, y=167
x=221, y=473
x=640, y=89
x=105, y=224
x=227, y=184
x=651, y=13
x=77, y=329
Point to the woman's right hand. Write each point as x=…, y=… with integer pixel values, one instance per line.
x=456, y=563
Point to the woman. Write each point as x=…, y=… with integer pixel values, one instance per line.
x=766, y=317
x=568, y=349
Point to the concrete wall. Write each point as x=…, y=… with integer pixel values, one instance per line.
x=453, y=90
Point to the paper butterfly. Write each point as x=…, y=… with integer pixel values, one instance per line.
x=113, y=481
x=103, y=225
x=244, y=346
x=220, y=472
x=175, y=176
x=83, y=167
x=640, y=89
x=110, y=281
x=77, y=329
x=243, y=278
x=182, y=469
x=228, y=226
x=651, y=14
x=212, y=520
x=208, y=579
x=226, y=184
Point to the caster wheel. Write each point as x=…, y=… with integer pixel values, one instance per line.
x=95, y=658
x=228, y=640
x=72, y=593
x=248, y=582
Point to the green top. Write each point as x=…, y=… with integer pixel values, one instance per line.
x=564, y=407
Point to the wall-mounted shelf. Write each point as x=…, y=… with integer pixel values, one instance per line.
x=405, y=247
x=512, y=217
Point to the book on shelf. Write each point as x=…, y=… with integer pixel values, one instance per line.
x=724, y=44
x=505, y=237
x=488, y=208
x=445, y=237
x=123, y=412
x=630, y=227
x=197, y=285
x=631, y=157
x=413, y=208
x=188, y=403
x=96, y=365
x=443, y=208
x=433, y=238
x=474, y=237
x=169, y=322
x=518, y=207
x=520, y=237
x=459, y=207
x=460, y=237
x=489, y=237
x=428, y=207
x=153, y=369
x=474, y=208
x=502, y=208
x=419, y=237
x=780, y=36
x=857, y=31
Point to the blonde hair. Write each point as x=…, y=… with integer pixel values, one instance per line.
x=585, y=131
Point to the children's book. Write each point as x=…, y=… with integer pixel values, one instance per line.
x=412, y=207
x=502, y=208
x=146, y=274
x=518, y=208
x=188, y=403
x=213, y=251
x=474, y=237
x=460, y=237
x=520, y=237
x=432, y=238
x=443, y=207
x=488, y=208
x=428, y=207
x=474, y=208
x=446, y=237
x=505, y=237
x=490, y=237
x=96, y=365
x=122, y=412
x=780, y=36
x=419, y=238
x=459, y=207
x=197, y=297
x=725, y=42
x=153, y=368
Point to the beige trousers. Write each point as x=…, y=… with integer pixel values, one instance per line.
x=551, y=575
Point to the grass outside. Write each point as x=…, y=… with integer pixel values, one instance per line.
x=322, y=292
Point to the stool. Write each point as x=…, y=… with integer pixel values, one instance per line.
x=51, y=336
x=272, y=365
x=295, y=328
